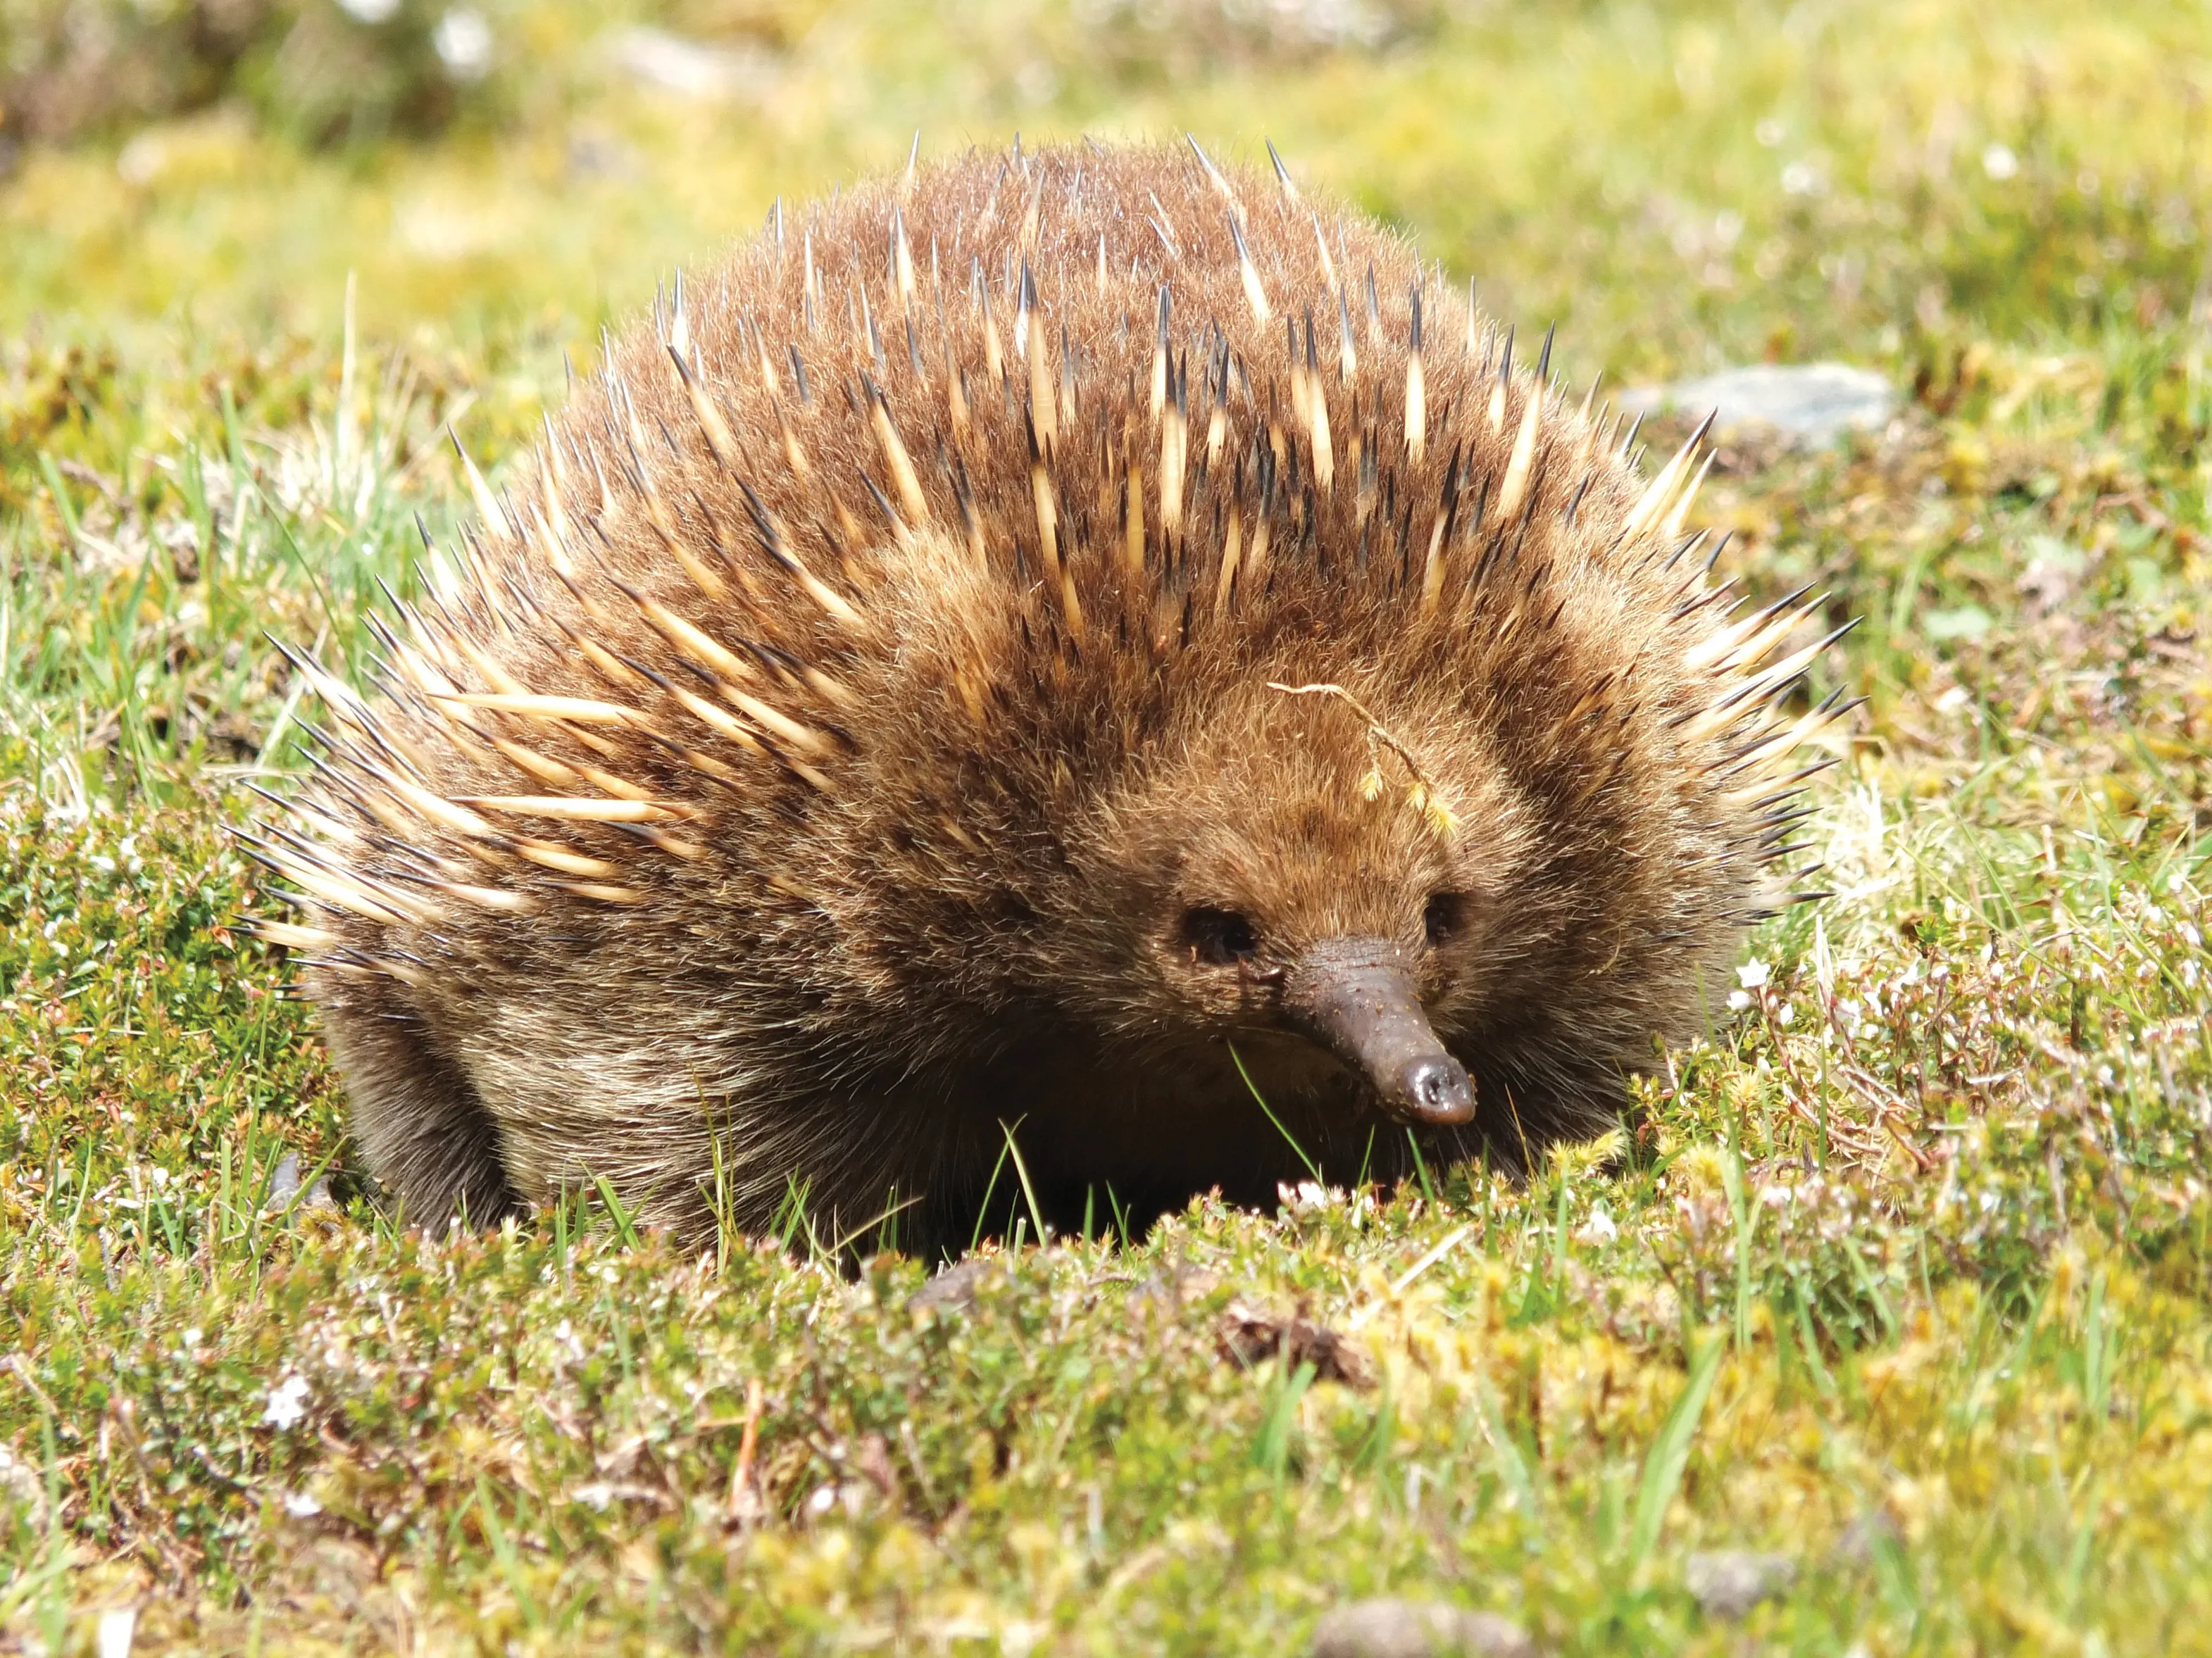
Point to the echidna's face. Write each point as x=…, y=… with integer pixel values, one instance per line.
x=1298, y=877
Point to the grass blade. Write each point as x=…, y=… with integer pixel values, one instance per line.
x=1670, y=1454
x=1289, y=1139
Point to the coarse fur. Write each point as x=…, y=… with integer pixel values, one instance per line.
x=824, y=761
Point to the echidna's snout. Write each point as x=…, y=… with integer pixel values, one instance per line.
x=1357, y=997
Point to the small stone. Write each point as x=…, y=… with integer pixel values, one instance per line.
x=1729, y=1582
x=20, y=1483
x=1809, y=403
x=1388, y=1627
x=285, y=1193
x=954, y=1288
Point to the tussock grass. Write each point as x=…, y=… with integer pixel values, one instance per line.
x=1900, y=1272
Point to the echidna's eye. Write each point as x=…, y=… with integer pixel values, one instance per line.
x=1446, y=913
x=1219, y=938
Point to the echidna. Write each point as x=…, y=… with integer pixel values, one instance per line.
x=1082, y=647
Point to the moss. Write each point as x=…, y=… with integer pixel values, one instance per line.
x=1923, y=1218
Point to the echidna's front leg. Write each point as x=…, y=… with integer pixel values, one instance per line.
x=425, y=1134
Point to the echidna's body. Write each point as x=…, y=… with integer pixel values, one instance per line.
x=1005, y=638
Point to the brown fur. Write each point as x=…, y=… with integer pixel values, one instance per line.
x=923, y=837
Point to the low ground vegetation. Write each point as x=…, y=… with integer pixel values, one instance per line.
x=1898, y=1274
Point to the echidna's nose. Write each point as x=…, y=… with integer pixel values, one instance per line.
x=1357, y=997
x=1437, y=1089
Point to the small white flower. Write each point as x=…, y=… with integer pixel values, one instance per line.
x=301, y=1506
x=371, y=12
x=118, y=1628
x=1999, y=163
x=1307, y=1197
x=1787, y=1013
x=1739, y=1000
x=192, y=1338
x=463, y=41
x=1599, y=1228
x=1777, y=1197
x=287, y=1406
x=1802, y=178
x=1751, y=974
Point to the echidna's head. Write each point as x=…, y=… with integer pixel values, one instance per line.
x=1309, y=866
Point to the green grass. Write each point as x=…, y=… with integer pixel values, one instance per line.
x=1902, y=1272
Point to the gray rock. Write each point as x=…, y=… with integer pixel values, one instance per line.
x=1388, y=1627
x=19, y=1483
x=1808, y=402
x=1729, y=1582
x=285, y=1193
x=953, y=1290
